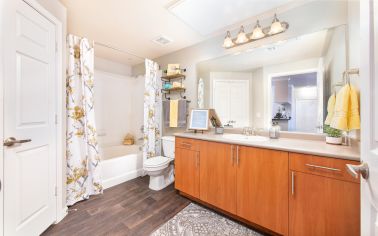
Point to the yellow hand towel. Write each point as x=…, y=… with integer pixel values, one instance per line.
x=330, y=109
x=173, y=113
x=340, y=117
x=354, y=111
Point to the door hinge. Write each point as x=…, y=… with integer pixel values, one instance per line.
x=56, y=191
x=56, y=119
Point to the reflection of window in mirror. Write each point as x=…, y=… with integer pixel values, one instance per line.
x=295, y=102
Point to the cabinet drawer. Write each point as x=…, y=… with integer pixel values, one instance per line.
x=187, y=143
x=323, y=166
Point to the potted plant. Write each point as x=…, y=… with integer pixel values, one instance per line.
x=334, y=136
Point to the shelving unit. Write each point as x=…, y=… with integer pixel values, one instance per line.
x=168, y=79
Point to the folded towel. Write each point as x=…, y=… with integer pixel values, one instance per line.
x=340, y=117
x=166, y=109
x=330, y=109
x=353, y=113
x=173, y=113
x=182, y=109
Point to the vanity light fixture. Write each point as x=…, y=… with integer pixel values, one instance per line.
x=242, y=37
x=276, y=26
x=228, y=43
x=258, y=33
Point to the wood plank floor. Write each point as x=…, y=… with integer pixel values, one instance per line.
x=130, y=208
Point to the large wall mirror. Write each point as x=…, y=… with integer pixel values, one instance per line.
x=286, y=82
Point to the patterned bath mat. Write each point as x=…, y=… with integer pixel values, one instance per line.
x=195, y=220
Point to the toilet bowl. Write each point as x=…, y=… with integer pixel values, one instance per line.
x=159, y=168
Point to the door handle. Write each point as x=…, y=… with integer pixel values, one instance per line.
x=12, y=141
x=355, y=170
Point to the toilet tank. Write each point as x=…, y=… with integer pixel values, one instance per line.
x=168, y=146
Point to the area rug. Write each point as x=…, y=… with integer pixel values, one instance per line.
x=195, y=220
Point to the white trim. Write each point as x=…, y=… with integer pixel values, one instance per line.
x=268, y=89
x=61, y=208
x=2, y=26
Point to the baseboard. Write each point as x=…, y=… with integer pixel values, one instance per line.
x=121, y=178
x=61, y=214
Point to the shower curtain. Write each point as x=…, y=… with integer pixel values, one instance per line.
x=152, y=111
x=200, y=95
x=83, y=159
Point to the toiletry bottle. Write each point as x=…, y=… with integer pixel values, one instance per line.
x=274, y=131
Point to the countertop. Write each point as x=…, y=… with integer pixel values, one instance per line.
x=313, y=147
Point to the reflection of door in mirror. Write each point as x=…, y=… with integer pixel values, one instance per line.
x=230, y=97
x=295, y=102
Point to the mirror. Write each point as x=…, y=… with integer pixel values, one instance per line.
x=287, y=82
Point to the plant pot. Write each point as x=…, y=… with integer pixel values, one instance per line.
x=334, y=140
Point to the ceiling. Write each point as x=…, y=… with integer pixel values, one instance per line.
x=295, y=49
x=131, y=25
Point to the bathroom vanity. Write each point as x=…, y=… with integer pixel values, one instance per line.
x=286, y=187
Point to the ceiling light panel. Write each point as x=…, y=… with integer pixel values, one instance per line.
x=207, y=17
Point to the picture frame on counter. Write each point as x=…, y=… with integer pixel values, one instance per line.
x=199, y=119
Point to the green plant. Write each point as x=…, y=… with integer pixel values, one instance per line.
x=332, y=132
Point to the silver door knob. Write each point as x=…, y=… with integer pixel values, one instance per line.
x=12, y=141
x=355, y=170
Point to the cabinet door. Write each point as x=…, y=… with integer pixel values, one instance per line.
x=323, y=206
x=218, y=176
x=187, y=171
x=262, y=187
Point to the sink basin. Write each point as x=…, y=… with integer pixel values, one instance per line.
x=240, y=137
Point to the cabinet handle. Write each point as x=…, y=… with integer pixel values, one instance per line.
x=322, y=167
x=237, y=155
x=197, y=160
x=232, y=155
x=292, y=183
x=186, y=145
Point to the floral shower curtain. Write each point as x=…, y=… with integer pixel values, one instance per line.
x=200, y=95
x=152, y=111
x=83, y=159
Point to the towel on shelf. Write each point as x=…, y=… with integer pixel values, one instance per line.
x=346, y=115
x=330, y=109
x=340, y=117
x=173, y=113
x=354, y=111
x=182, y=111
x=166, y=111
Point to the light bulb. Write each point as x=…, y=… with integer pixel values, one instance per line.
x=257, y=32
x=276, y=26
x=227, y=43
x=242, y=37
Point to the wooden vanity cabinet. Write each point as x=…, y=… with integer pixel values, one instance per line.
x=187, y=163
x=262, y=187
x=324, y=199
x=218, y=175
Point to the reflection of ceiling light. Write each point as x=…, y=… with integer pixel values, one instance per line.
x=242, y=37
x=228, y=41
x=257, y=32
x=276, y=26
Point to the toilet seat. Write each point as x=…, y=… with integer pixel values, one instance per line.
x=155, y=162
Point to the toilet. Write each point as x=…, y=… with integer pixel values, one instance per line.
x=159, y=168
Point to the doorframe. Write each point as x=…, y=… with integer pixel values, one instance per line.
x=60, y=205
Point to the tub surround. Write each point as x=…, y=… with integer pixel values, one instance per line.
x=306, y=146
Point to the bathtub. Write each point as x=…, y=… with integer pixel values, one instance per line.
x=120, y=163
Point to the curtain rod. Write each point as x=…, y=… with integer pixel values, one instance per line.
x=119, y=50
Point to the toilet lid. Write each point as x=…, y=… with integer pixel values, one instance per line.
x=156, y=161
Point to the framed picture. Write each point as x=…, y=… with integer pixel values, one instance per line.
x=199, y=119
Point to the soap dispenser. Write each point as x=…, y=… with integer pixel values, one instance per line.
x=274, y=131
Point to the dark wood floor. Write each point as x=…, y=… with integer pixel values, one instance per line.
x=130, y=208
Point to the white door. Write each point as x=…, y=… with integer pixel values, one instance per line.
x=29, y=115
x=369, y=116
x=230, y=99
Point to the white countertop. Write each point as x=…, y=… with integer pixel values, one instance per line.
x=313, y=147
